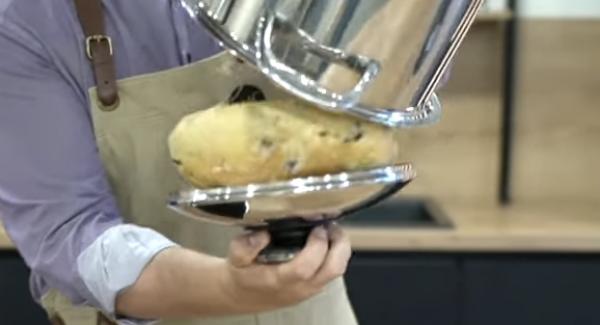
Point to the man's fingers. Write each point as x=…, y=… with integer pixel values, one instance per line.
x=244, y=249
x=305, y=265
x=337, y=258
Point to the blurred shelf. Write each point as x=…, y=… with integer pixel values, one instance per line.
x=548, y=227
x=494, y=16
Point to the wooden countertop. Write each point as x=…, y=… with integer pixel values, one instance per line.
x=543, y=228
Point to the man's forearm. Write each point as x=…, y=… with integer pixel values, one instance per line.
x=183, y=283
x=179, y=283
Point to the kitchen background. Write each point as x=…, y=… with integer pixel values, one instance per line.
x=502, y=224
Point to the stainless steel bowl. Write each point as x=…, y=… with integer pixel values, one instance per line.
x=376, y=59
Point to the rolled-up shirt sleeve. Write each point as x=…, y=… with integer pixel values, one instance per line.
x=55, y=201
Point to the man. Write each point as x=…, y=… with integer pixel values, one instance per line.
x=63, y=197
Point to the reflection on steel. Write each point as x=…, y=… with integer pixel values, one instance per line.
x=376, y=59
x=333, y=193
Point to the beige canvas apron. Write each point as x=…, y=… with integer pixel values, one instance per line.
x=133, y=144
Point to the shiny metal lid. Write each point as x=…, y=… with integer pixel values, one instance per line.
x=254, y=204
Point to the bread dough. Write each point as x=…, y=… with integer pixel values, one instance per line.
x=259, y=142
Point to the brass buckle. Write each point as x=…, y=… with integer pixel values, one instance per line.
x=97, y=38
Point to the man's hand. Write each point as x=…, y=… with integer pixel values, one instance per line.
x=260, y=287
x=184, y=283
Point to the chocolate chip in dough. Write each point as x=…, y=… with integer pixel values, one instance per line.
x=359, y=135
x=266, y=143
x=292, y=166
x=356, y=133
x=177, y=162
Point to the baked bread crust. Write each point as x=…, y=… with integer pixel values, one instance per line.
x=258, y=142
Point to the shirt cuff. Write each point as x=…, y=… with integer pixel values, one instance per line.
x=115, y=260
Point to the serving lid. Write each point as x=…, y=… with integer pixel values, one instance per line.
x=254, y=204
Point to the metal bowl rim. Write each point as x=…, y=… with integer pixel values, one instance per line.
x=295, y=187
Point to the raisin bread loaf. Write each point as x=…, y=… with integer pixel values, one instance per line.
x=258, y=142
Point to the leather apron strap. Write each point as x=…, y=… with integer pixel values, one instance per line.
x=99, y=49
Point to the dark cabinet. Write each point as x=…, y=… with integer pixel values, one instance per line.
x=474, y=289
x=388, y=289
x=529, y=290
x=16, y=304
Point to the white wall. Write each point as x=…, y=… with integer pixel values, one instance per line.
x=552, y=8
x=560, y=8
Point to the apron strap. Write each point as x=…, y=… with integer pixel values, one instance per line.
x=99, y=49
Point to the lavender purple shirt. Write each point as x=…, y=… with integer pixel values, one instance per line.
x=55, y=201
